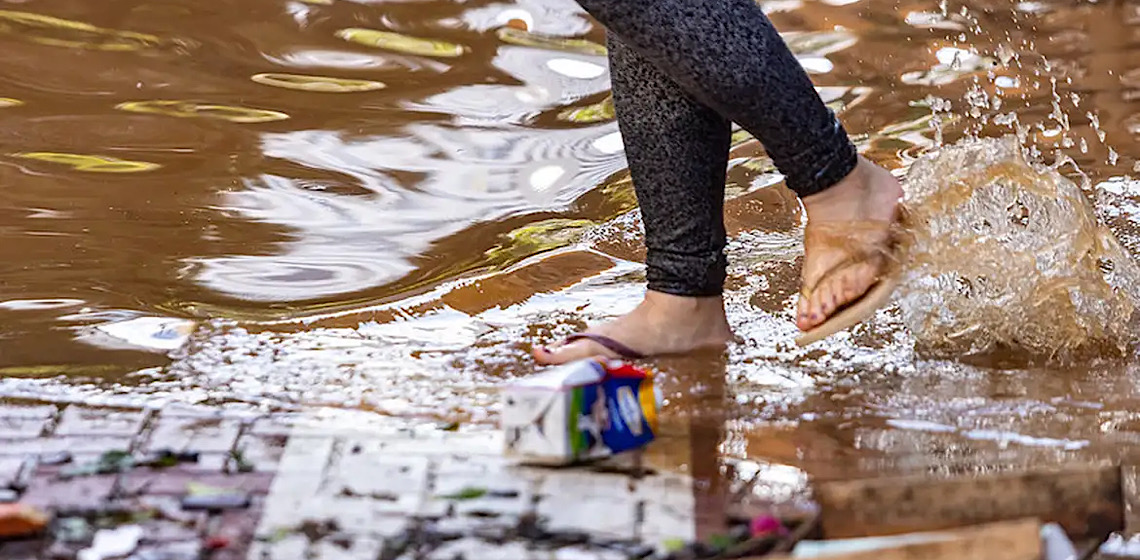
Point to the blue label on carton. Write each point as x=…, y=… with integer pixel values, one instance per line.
x=619, y=412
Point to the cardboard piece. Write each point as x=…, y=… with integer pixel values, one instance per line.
x=1085, y=500
x=583, y=410
x=1005, y=540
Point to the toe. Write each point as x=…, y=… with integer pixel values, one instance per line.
x=577, y=350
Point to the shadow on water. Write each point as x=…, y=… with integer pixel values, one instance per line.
x=305, y=214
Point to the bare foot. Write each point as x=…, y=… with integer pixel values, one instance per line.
x=661, y=324
x=864, y=205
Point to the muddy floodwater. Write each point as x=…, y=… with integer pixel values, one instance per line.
x=378, y=207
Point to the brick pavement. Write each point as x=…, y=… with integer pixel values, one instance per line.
x=321, y=489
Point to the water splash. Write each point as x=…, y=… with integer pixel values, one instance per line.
x=1006, y=255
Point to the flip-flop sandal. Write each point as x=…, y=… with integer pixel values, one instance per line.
x=877, y=296
x=608, y=343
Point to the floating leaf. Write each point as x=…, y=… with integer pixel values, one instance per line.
x=190, y=109
x=526, y=38
x=468, y=493
x=91, y=163
x=401, y=43
x=321, y=84
x=58, y=32
x=10, y=102
x=598, y=112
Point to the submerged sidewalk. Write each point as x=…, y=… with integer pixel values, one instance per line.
x=201, y=483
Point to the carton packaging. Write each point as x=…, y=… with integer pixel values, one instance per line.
x=579, y=411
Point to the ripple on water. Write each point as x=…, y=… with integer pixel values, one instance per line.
x=400, y=43
x=90, y=163
x=348, y=244
x=48, y=30
x=321, y=84
x=186, y=109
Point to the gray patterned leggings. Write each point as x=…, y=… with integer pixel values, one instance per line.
x=682, y=72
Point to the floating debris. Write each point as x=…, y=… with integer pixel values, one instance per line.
x=90, y=163
x=47, y=30
x=321, y=84
x=401, y=43
x=112, y=543
x=110, y=462
x=19, y=520
x=155, y=333
x=185, y=109
x=202, y=497
x=598, y=112
x=468, y=493
x=524, y=38
x=9, y=102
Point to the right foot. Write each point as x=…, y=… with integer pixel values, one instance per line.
x=662, y=324
x=846, y=241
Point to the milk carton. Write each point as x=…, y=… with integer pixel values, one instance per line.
x=579, y=411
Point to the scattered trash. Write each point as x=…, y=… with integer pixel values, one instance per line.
x=112, y=543
x=19, y=520
x=201, y=497
x=1117, y=546
x=9, y=496
x=55, y=459
x=71, y=530
x=110, y=462
x=164, y=458
x=216, y=543
x=468, y=493
x=766, y=525
x=583, y=410
x=1056, y=543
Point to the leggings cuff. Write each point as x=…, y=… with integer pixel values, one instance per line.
x=828, y=159
x=686, y=275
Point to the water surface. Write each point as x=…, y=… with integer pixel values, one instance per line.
x=382, y=205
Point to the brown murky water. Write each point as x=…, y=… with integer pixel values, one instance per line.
x=358, y=220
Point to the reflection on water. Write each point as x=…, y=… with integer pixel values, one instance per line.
x=381, y=206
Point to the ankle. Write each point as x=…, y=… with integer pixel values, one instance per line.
x=865, y=189
x=687, y=306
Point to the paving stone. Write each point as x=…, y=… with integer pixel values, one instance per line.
x=364, y=469
x=79, y=492
x=475, y=549
x=185, y=550
x=262, y=452
x=9, y=469
x=292, y=547
x=573, y=513
x=38, y=411
x=207, y=434
x=306, y=455
x=583, y=553
x=78, y=420
x=668, y=510
x=173, y=481
x=78, y=446
x=17, y=427
x=24, y=550
x=354, y=548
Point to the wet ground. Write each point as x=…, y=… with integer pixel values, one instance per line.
x=392, y=230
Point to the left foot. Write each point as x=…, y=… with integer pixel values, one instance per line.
x=663, y=324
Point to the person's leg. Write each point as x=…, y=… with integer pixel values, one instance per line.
x=727, y=54
x=677, y=150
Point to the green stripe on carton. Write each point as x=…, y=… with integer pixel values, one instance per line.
x=576, y=440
